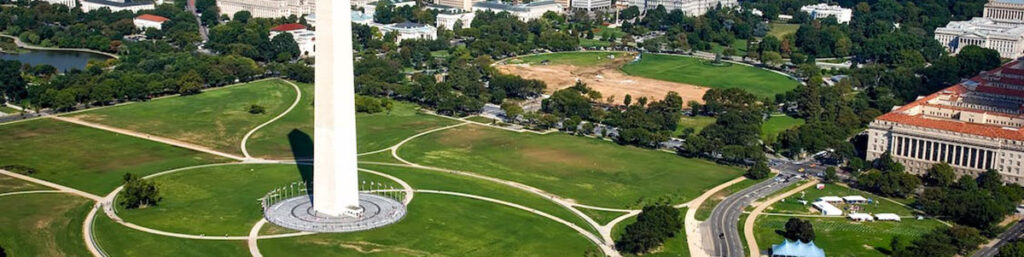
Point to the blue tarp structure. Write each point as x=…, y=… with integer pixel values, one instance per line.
x=797, y=249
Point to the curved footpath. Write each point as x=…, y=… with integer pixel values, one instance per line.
x=298, y=97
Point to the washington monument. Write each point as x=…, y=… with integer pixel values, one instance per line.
x=335, y=180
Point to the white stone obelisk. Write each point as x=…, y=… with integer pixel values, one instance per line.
x=335, y=178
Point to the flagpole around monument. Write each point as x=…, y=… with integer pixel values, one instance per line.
x=335, y=180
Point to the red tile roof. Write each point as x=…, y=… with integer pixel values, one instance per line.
x=150, y=17
x=288, y=27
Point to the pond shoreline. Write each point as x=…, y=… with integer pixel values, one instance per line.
x=22, y=45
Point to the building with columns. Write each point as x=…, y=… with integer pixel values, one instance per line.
x=974, y=126
x=1001, y=28
x=68, y=3
x=1005, y=38
x=267, y=8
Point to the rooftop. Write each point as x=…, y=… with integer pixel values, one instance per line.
x=122, y=3
x=988, y=105
x=797, y=248
x=288, y=27
x=983, y=27
x=150, y=17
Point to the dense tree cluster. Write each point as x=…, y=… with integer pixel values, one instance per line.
x=373, y=105
x=735, y=135
x=250, y=38
x=888, y=179
x=56, y=25
x=943, y=242
x=979, y=203
x=718, y=26
x=1014, y=249
x=138, y=192
x=799, y=230
x=386, y=12
x=760, y=170
x=503, y=34
x=653, y=226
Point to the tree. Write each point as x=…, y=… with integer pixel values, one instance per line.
x=190, y=83
x=830, y=175
x=940, y=175
x=12, y=85
x=242, y=16
x=512, y=111
x=1015, y=249
x=760, y=170
x=990, y=180
x=139, y=192
x=798, y=229
x=974, y=59
x=653, y=226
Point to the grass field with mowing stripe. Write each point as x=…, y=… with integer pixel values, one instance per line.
x=118, y=240
x=590, y=171
x=88, y=159
x=589, y=58
x=440, y=225
x=218, y=118
x=45, y=224
x=689, y=70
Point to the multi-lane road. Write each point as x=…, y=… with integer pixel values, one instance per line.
x=1013, y=233
x=722, y=228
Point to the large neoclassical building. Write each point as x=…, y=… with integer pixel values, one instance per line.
x=1001, y=28
x=974, y=126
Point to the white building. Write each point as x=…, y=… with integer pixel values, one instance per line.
x=267, y=8
x=448, y=20
x=829, y=199
x=117, y=5
x=409, y=30
x=823, y=10
x=887, y=217
x=688, y=7
x=827, y=209
x=146, y=21
x=68, y=3
x=305, y=38
x=370, y=7
x=1006, y=38
x=973, y=126
x=590, y=5
x=855, y=199
x=458, y=4
x=860, y=217
x=525, y=12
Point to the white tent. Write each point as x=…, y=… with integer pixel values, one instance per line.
x=860, y=217
x=827, y=209
x=830, y=199
x=855, y=199
x=887, y=216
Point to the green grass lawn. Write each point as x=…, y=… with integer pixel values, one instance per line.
x=590, y=171
x=590, y=58
x=673, y=247
x=223, y=198
x=771, y=128
x=292, y=135
x=217, y=118
x=594, y=43
x=709, y=205
x=739, y=44
x=880, y=204
x=759, y=82
x=384, y=156
x=9, y=110
x=599, y=216
x=46, y=224
x=439, y=225
x=118, y=240
x=88, y=159
x=840, y=237
x=434, y=180
x=10, y=184
x=696, y=122
x=483, y=120
x=780, y=30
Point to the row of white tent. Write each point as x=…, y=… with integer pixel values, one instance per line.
x=868, y=217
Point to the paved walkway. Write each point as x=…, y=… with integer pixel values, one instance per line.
x=298, y=97
x=748, y=225
x=30, y=192
x=51, y=185
x=19, y=43
x=168, y=141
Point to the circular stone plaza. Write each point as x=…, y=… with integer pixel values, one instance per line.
x=297, y=213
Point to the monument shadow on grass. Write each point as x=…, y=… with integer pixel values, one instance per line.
x=302, y=151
